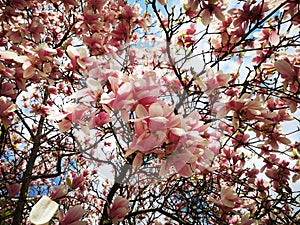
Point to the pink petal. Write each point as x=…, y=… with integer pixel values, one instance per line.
x=284, y=140
x=205, y=17
x=58, y=192
x=138, y=161
x=29, y=72
x=13, y=189
x=74, y=214
x=64, y=125
x=152, y=141
x=274, y=38
x=219, y=14
x=157, y=123
x=162, y=2
x=184, y=170
x=164, y=168
x=77, y=181
x=284, y=67
x=156, y=110
x=12, y=55
x=141, y=111
x=72, y=52
x=177, y=131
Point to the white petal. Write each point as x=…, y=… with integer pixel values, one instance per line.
x=43, y=211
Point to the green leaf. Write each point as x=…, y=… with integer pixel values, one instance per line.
x=69, y=182
x=6, y=214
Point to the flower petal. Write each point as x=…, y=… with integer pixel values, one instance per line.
x=284, y=67
x=43, y=211
x=73, y=215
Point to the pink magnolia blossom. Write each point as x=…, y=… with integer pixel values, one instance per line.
x=274, y=37
x=191, y=7
x=288, y=71
x=138, y=161
x=138, y=90
x=248, y=13
x=98, y=4
x=90, y=17
x=77, y=181
x=184, y=163
x=121, y=33
x=129, y=13
x=58, y=192
x=244, y=108
x=8, y=89
x=186, y=145
x=267, y=36
x=292, y=10
x=73, y=216
x=229, y=197
x=150, y=127
x=187, y=38
x=214, y=7
x=7, y=109
x=275, y=138
x=99, y=120
x=36, y=28
x=118, y=210
x=64, y=125
x=45, y=52
x=129, y=92
x=72, y=113
x=79, y=58
x=214, y=81
x=13, y=189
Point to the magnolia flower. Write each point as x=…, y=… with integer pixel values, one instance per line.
x=150, y=127
x=78, y=57
x=13, y=55
x=286, y=69
x=72, y=217
x=190, y=4
x=64, y=125
x=138, y=161
x=183, y=162
x=6, y=110
x=213, y=7
x=99, y=120
x=45, y=52
x=43, y=211
x=72, y=113
x=13, y=189
x=8, y=89
x=136, y=91
x=118, y=210
x=58, y=192
x=213, y=80
x=77, y=181
x=229, y=197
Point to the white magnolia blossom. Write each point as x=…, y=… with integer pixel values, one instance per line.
x=43, y=211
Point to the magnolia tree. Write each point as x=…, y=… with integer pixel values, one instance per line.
x=149, y=112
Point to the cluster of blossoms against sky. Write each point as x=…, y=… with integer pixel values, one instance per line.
x=191, y=107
